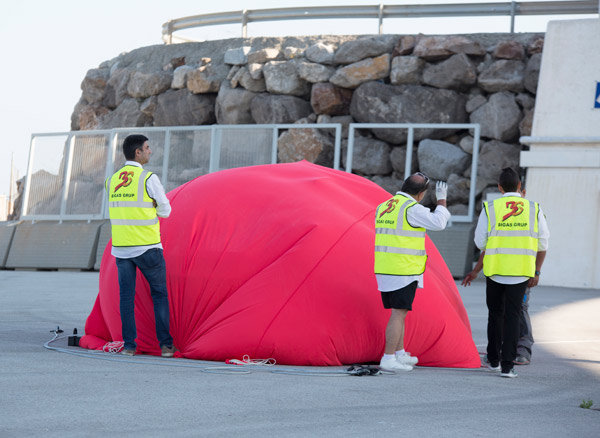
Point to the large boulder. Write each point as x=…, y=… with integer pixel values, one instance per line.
x=233, y=105
x=369, y=157
x=467, y=143
x=435, y=48
x=359, y=49
x=251, y=84
x=268, y=109
x=326, y=98
x=345, y=121
x=398, y=160
x=536, y=45
x=142, y=85
x=313, y=72
x=509, y=50
x=532, y=73
x=263, y=55
x=79, y=106
x=281, y=77
x=182, y=108
x=305, y=144
x=405, y=46
x=291, y=52
x=89, y=116
x=475, y=102
x=180, y=76
x=390, y=184
x=207, y=78
x=237, y=55
x=439, y=159
x=370, y=69
x=128, y=114
x=148, y=106
x=503, y=75
x=116, y=87
x=459, y=188
x=375, y=102
x=526, y=100
x=499, y=117
x=255, y=70
x=457, y=72
x=94, y=84
x=493, y=157
x=406, y=70
x=320, y=53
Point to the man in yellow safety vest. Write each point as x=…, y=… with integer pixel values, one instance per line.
x=512, y=235
x=135, y=199
x=400, y=258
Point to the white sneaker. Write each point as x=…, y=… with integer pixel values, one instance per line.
x=407, y=359
x=393, y=365
x=511, y=374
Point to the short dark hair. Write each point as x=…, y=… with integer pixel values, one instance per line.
x=131, y=143
x=509, y=179
x=415, y=184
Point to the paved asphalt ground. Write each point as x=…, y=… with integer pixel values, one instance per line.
x=47, y=393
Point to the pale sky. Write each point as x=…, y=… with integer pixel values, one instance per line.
x=48, y=46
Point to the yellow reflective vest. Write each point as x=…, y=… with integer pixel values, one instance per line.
x=399, y=247
x=132, y=213
x=512, y=243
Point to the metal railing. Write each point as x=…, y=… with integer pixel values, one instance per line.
x=411, y=127
x=380, y=12
x=67, y=170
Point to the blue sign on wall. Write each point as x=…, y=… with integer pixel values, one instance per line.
x=597, y=99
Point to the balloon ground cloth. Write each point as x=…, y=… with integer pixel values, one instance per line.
x=277, y=261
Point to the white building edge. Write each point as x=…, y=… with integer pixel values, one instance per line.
x=563, y=164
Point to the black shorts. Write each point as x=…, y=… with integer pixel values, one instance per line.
x=401, y=298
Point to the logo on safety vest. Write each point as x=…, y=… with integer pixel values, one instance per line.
x=391, y=205
x=516, y=208
x=126, y=178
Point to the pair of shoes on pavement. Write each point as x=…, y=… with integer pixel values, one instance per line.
x=165, y=351
x=509, y=373
x=398, y=363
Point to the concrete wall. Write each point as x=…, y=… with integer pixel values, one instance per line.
x=564, y=173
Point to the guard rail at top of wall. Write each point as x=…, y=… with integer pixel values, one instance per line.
x=379, y=12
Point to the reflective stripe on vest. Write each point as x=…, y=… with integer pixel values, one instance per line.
x=399, y=247
x=513, y=233
x=132, y=213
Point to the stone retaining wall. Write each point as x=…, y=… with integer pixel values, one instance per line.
x=489, y=79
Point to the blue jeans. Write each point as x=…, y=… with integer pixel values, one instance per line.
x=152, y=265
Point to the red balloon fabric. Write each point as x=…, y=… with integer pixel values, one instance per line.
x=277, y=261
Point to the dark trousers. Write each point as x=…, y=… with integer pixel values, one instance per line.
x=504, y=311
x=152, y=265
x=526, y=336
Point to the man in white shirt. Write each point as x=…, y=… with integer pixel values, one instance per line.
x=400, y=258
x=512, y=235
x=136, y=199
